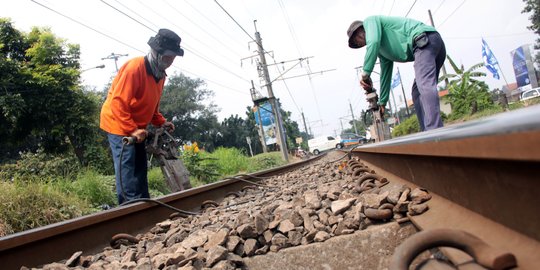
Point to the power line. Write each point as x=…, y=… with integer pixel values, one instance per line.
x=391, y=7
x=125, y=14
x=410, y=8
x=193, y=51
x=452, y=13
x=87, y=26
x=195, y=24
x=126, y=7
x=235, y=21
x=212, y=22
x=437, y=9
x=129, y=46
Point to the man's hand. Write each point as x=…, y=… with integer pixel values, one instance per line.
x=381, y=109
x=366, y=82
x=140, y=134
x=169, y=126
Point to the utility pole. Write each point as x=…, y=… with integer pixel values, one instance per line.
x=395, y=106
x=353, y=120
x=403, y=90
x=261, y=129
x=115, y=57
x=443, y=67
x=305, y=126
x=275, y=105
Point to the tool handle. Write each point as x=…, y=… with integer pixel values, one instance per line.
x=129, y=140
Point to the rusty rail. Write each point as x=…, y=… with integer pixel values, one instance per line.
x=483, y=175
x=94, y=232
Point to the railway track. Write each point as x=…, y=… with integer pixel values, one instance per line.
x=482, y=177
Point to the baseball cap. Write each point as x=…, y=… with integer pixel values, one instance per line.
x=350, y=32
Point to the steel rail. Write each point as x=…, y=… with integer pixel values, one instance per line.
x=92, y=233
x=483, y=176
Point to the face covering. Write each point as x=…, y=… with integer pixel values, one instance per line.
x=156, y=64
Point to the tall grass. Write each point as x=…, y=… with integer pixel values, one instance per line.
x=27, y=205
x=156, y=183
x=230, y=161
x=265, y=161
x=94, y=188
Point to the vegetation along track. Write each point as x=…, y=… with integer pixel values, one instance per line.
x=481, y=177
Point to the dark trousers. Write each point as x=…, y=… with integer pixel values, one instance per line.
x=132, y=179
x=427, y=64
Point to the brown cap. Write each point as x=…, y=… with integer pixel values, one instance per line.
x=350, y=32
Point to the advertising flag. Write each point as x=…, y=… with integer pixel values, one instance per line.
x=396, y=80
x=489, y=60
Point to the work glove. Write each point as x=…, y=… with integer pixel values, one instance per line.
x=366, y=82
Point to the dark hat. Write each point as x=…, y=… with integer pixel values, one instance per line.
x=166, y=42
x=354, y=26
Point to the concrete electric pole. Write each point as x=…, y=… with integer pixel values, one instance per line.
x=280, y=136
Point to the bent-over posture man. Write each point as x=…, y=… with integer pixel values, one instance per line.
x=395, y=39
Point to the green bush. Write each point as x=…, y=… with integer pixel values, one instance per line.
x=27, y=205
x=230, y=161
x=156, y=182
x=36, y=166
x=265, y=161
x=408, y=126
x=94, y=188
x=201, y=166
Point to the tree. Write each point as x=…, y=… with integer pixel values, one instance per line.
x=534, y=7
x=234, y=131
x=43, y=105
x=467, y=94
x=183, y=103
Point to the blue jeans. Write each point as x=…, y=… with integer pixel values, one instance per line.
x=427, y=64
x=133, y=181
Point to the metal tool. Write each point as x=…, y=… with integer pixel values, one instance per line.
x=164, y=147
x=382, y=130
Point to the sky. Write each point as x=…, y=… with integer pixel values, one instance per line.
x=220, y=50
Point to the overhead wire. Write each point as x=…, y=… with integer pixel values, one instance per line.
x=194, y=23
x=298, y=47
x=86, y=26
x=187, y=48
x=451, y=14
x=391, y=7
x=410, y=9
x=437, y=9
x=221, y=30
x=127, y=15
x=128, y=45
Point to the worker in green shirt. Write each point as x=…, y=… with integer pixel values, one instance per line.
x=395, y=39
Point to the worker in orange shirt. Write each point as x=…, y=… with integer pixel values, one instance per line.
x=132, y=103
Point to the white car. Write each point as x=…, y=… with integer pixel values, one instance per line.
x=535, y=92
x=322, y=143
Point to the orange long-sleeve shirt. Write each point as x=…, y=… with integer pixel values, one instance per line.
x=133, y=100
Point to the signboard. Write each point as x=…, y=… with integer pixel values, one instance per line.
x=267, y=118
x=519, y=62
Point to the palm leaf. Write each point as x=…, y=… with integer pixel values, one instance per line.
x=453, y=64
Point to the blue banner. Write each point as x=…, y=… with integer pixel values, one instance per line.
x=519, y=62
x=268, y=122
x=489, y=60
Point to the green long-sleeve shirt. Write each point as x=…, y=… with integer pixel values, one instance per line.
x=390, y=39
